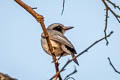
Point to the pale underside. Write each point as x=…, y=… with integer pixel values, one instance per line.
x=57, y=48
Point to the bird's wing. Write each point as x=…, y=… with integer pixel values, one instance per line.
x=60, y=38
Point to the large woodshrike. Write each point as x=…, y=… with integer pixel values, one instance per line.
x=61, y=45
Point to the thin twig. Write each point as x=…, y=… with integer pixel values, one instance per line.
x=113, y=4
x=106, y=22
x=40, y=19
x=34, y=8
x=81, y=53
x=94, y=44
x=113, y=66
x=106, y=16
x=63, y=7
x=115, y=14
x=68, y=76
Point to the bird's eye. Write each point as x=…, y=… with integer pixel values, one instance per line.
x=58, y=28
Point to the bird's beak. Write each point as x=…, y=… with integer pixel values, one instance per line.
x=68, y=27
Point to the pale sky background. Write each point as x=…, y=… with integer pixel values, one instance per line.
x=22, y=57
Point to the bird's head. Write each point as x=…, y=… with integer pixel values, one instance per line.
x=59, y=27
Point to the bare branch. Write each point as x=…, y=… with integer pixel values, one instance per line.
x=106, y=18
x=68, y=76
x=106, y=23
x=113, y=66
x=115, y=14
x=34, y=8
x=81, y=53
x=94, y=44
x=40, y=19
x=63, y=7
x=113, y=4
x=6, y=77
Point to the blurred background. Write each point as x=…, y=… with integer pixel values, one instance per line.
x=21, y=54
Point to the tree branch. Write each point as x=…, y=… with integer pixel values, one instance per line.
x=106, y=23
x=115, y=14
x=106, y=16
x=40, y=19
x=113, y=66
x=6, y=77
x=63, y=7
x=113, y=4
x=68, y=76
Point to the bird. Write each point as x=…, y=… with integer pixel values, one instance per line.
x=61, y=45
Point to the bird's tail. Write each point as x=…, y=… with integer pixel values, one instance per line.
x=75, y=60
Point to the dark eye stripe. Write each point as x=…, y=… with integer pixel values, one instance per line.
x=58, y=28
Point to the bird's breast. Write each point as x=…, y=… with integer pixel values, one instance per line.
x=56, y=47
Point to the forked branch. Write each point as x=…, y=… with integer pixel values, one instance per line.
x=40, y=19
x=107, y=8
